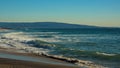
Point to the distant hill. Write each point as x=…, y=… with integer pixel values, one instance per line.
x=42, y=25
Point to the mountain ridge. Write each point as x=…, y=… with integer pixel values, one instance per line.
x=43, y=25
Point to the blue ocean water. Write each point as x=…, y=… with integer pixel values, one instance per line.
x=80, y=43
x=101, y=43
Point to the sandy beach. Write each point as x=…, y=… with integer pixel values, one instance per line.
x=14, y=63
x=11, y=63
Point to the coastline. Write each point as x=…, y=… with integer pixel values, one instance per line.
x=17, y=63
x=11, y=63
x=51, y=62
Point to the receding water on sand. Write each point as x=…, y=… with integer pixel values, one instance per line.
x=33, y=59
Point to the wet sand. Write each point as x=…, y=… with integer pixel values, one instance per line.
x=14, y=58
x=11, y=63
x=7, y=62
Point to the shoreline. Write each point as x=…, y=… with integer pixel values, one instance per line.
x=11, y=63
x=52, y=60
x=53, y=63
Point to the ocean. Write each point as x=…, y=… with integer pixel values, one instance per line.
x=93, y=44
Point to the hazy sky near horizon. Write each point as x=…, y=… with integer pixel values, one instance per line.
x=89, y=12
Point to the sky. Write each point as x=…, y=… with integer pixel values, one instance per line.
x=88, y=12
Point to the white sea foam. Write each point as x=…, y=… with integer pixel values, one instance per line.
x=44, y=36
x=105, y=54
x=15, y=39
x=17, y=36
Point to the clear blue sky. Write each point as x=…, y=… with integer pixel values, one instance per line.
x=90, y=12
